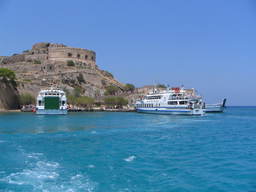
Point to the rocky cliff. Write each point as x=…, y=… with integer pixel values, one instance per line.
x=48, y=64
x=8, y=96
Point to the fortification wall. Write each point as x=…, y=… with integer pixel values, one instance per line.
x=37, y=57
x=64, y=54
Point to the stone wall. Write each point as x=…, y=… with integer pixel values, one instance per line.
x=63, y=54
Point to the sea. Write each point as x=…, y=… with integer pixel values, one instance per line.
x=128, y=152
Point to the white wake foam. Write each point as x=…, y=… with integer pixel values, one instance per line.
x=130, y=158
x=46, y=176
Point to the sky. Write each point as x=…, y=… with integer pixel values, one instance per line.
x=208, y=45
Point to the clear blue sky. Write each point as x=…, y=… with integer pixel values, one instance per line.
x=206, y=44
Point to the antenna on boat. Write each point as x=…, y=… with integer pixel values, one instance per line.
x=154, y=87
x=224, y=102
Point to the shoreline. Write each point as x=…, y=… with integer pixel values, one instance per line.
x=71, y=111
x=9, y=111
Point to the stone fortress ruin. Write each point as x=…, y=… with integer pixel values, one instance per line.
x=51, y=64
x=51, y=54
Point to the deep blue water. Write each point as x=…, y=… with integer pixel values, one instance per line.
x=124, y=152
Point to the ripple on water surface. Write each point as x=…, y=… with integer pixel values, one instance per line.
x=129, y=152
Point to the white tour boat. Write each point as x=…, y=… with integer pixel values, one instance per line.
x=174, y=101
x=51, y=101
x=216, y=108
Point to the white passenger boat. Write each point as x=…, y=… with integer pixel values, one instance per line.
x=51, y=101
x=174, y=101
x=215, y=108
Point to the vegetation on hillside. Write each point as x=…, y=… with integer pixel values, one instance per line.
x=82, y=101
x=111, y=90
x=115, y=101
x=129, y=87
x=85, y=101
x=7, y=74
x=76, y=98
x=26, y=99
x=37, y=61
x=108, y=74
x=70, y=63
x=77, y=92
x=80, y=78
x=161, y=86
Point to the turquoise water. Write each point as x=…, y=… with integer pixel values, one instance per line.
x=124, y=152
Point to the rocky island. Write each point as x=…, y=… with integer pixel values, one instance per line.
x=50, y=64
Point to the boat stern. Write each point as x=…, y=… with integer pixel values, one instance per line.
x=198, y=112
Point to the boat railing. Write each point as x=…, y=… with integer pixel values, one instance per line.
x=213, y=105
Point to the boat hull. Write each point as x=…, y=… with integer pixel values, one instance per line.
x=51, y=111
x=168, y=111
x=214, y=109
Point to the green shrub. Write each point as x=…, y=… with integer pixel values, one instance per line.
x=111, y=90
x=37, y=62
x=27, y=80
x=26, y=99
x=112, y=101
x=161, y=86
x=7, y=74
x=77, y=92
x=108, y=74
x=129, y=87
x=72, y=99
x=80, y=78
x=103, y=82
x=85, y=101
x=70, y=63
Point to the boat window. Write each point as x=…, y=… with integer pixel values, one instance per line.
x=39, y=103
x=172, y=103
x=63, y=102
x=154, y=97
x=183, y=102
